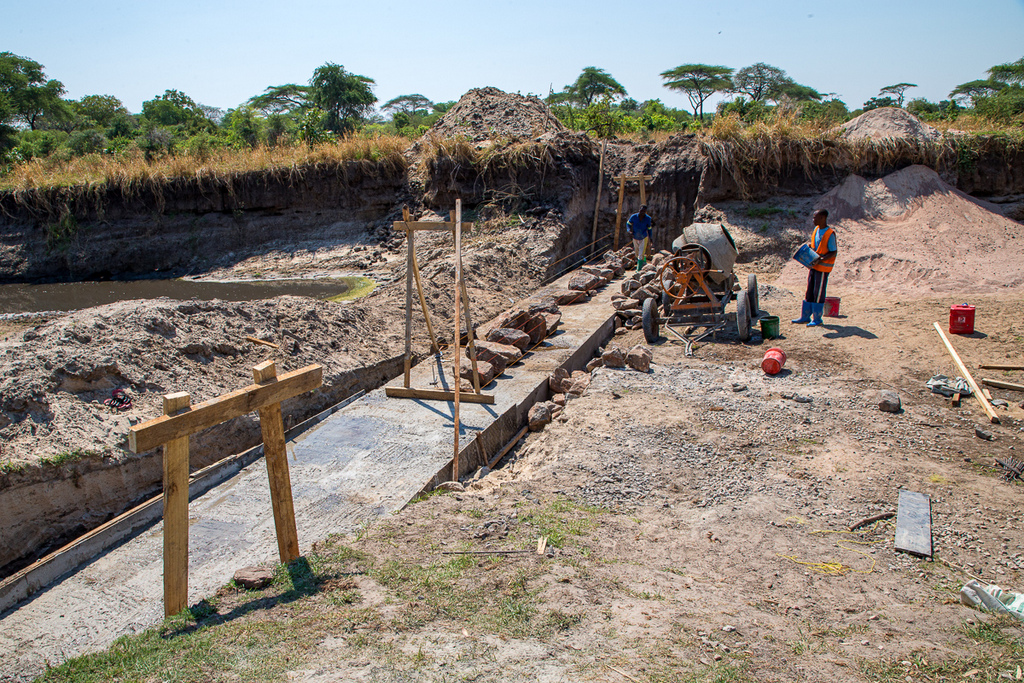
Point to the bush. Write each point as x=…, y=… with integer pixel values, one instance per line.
x=86, y=142
x=34, y=144
x=1006, y=106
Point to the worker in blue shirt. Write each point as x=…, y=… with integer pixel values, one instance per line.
x=639, y=228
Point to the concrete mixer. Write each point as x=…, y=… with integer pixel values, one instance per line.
x=697, y=283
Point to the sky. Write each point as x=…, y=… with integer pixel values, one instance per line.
x=221, y=53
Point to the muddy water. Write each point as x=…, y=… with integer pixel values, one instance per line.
x=71, y=296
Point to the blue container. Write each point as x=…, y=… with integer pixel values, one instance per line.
x=805, y=255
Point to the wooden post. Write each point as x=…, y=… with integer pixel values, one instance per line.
x=458, y=351
x=175, y=513
x=643, y=201
x=989, y=410
x=597, y=204
x=618, y=213
x=469, y=335
x=434, y=346
x=408, y=304
x=272, y=426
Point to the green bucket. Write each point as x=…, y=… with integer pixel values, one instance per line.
x=770, y=327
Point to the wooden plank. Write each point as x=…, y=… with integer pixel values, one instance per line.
x=254, y=340
x=989, y=410
x=409, y=226
x=600, y=184
x=914, y=524
x=175, y=513
x=956, y=400
x=618, y=212
x=507, y=448
x=631, y=178
x=436, y=395
x=999, y=384
x=457, y=360
x=147, y=435
x=272, y=427
x=1001, y=367
x=469, y=335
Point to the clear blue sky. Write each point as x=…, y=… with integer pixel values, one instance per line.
x=222, y=53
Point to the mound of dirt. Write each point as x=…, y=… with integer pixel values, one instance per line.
x=490, y=113
x=912, y=234
x=888, y=122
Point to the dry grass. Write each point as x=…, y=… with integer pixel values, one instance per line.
x=133, y=169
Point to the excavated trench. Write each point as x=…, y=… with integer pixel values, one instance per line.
x=198, y=225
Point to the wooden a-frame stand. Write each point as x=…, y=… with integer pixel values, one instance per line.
x=623, y=179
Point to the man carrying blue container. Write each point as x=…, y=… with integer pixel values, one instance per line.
x=639, y=228
x=819, y=261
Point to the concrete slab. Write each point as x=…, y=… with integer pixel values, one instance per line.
x=366, y=461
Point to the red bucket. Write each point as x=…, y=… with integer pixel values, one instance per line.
x=961, y=319
x=832, y=306
x=774, y=359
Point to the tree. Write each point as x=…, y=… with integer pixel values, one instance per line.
x=100, y=109
x=26, y=91
x=878, y=103
x=407, y=104
x=281, y=99
x=699, y=82
x=791, y=90
x=975, y=90
x=898, y=90
x=345, y=98
x=758, y=81
x=591, y=84
x=1012, y=72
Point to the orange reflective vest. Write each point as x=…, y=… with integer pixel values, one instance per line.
x=819, y=241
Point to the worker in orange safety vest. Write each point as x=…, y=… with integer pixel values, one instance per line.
x=823, y=243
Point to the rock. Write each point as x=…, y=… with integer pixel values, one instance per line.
x=254, y=578
x=614, y=357
x=984, y=434
x=628, y=313
x=1000, y=402
x=537, y=328
x=558, y=399
x=579, y=382
x=486, y=371
x=552, y=321
x=545, y=305
x=629, y=286
x=453, y=486
x=594, y=364
x=619, y=332
x=497, y=362
x=889, y=401
x=625, y=304
x=516, y=318
x=738, y=387
x=510, y=337
x=567, y=298
x=556, y=411
x=540, y=415
x=585, y=282
x=559, y=381
x=639, y=358
x=488, y=351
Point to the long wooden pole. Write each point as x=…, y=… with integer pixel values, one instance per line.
x=600, y=184
x=457, y=379
x=274, y=450
x=989, y=410
x=408, y=305
x=643, y=202
x=434, y=346
x=175, y=513
x=469, y=335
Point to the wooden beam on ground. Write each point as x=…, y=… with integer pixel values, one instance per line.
x=148, y=435
x=1001, y=367
x=989, y=410
x=507, y=448
x=436, y=395
x=175, y=512
x=914, y=524
x=254, y=340
x=956, y=400
x=999, y=384
x=274, y=450
x=410, y=226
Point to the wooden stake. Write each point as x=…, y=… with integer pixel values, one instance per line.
x=434, y=346
x=989, y=410
x=999, y=384
x=618, y=213
x=175, y=513
x=469, y=336
x=272, y=426
x=600, y=184
x=643, y=201
x=458, y=342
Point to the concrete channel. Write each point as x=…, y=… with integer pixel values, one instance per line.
x=364, y=461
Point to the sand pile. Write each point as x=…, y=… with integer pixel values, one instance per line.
x=489, y=114
x=888, y=122
x=911, y=234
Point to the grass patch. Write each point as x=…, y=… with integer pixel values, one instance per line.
x=67, y=457
x=561, y=520
x=358, y=287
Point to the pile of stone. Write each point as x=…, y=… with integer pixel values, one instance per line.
x=639, y=286
x=594, y=275
x=565, y=386
x=504, y=340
